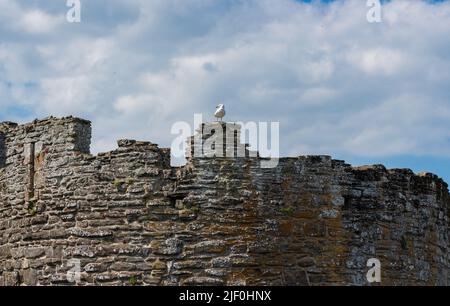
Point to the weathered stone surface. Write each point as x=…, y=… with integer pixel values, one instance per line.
x=11, y=278
x=127, y=217
x=89, y=233
x=34, y=252
x=203, y=281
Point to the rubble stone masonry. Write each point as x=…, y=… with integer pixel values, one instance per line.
x=127, y=217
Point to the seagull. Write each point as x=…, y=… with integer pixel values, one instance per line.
x=220, y=111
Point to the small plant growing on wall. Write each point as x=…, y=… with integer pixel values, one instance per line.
x=289, y=211
x=32, y=209
x=195, y=209
x=122, y=184
x=132, y=281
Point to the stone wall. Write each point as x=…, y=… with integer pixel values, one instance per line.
x=127, y=217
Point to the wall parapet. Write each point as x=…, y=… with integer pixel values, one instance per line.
x=127, y=217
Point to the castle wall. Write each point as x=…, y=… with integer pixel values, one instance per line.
x=317, y=221
x=127, y=217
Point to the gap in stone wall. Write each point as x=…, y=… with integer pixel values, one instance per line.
x=2, y=150
x=30, y=161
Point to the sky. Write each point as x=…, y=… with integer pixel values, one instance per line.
x=367, y=93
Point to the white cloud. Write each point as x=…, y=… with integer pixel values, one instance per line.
x=38, y=22
x=65, y=95
x=379, y=61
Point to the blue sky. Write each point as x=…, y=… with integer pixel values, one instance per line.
x=338, y=85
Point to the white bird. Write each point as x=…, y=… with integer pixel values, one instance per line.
x=220, y=111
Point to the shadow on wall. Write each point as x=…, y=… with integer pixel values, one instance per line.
x=2, y=150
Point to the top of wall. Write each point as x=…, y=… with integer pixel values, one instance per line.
x=58, y=135
x=6, y=126
x=72, y=134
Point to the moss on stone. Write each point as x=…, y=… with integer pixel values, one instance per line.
x=287, y=210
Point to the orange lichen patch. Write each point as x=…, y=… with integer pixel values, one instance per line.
x=286, y=227
x=225, y=230
x=286, y=184
x=340, y=249
x=305, y=214
x=326, y=199
x=386, y=232
x=315, y=229
x=335, y=223
x=305, y=199
x=334, y=232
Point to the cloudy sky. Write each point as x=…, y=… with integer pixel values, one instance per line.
x=338, y=85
